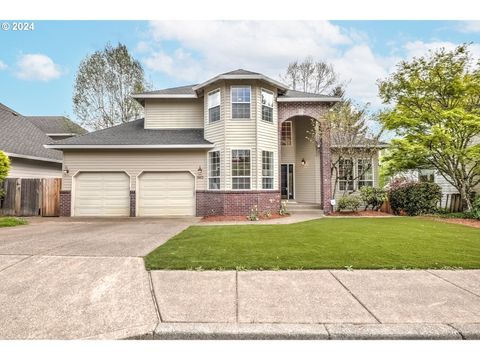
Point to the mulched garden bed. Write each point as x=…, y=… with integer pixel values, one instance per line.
x=359, y=213
x=212, y=218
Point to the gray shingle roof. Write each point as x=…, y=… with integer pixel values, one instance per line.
x=133, y=133
x=301, y=94
x=241, y=72
x=19, y=136
x=179, y=90
x=56, y=125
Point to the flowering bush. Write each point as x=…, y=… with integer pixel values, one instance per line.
x=413, y=197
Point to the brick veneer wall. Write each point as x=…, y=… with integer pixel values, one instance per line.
x=65, y=203
x=236, y=202
x=316, y=110
x=133, y=199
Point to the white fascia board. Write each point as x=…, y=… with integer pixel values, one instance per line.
x=33, y=157
x=164, y=96
x=241, y=77
x=308, y=99
x=199, y=146
x=60, y=134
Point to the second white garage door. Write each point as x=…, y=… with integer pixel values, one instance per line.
x=166, y=193
x=102, y=194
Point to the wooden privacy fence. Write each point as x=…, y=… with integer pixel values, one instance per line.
x=31, y=197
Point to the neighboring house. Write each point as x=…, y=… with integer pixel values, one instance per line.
x=22, y=139
x=216, y=148
x=57, y=127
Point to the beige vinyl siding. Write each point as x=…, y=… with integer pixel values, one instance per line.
x=173, y=113
x=33, y=169
x=133, y=162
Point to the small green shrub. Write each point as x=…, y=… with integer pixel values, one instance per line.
x=414, y=198
x=4, y=169
x=475, y=213
x=349, y=202
x=374, y=197
x=253, y=216
x=283, y=208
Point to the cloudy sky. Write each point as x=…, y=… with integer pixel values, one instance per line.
x=37, y=68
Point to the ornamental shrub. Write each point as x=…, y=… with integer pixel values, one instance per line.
x=4, y=169
x=414, y=198
x=350, y=202
x=374, y=197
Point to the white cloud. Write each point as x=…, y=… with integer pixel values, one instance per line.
x=2, y=65
x=421, y=48
x=219, y=46
x=37, y=67
x=470, y=26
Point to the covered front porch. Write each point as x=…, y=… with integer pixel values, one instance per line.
x=304, y=163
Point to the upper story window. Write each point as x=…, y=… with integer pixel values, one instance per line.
x=214, y=170
x=426, y=176
x=214, y=106
x=365, y=172
x=267, y=170
x=241, y=102
x=267, y=105
x=240, y=169
x=345, y=174
x=286, y=133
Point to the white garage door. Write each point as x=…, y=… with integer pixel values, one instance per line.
x=166, y=193
x=102, y=194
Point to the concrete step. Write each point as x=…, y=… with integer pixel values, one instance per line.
x=303, y=207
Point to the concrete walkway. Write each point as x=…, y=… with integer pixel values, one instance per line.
x=291, y=219
x=322, y=304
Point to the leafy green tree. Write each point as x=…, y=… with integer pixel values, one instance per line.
x=103, y=85
x=4, y=169
x=435, y=111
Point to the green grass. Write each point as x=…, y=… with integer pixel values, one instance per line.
x=11, y=221
x=364, y=243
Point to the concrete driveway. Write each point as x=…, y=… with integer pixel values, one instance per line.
x=72, y=278
x=90, y=237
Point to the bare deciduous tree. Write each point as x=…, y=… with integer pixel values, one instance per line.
x=318, y=77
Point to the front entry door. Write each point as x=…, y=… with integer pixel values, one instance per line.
x=287, y=181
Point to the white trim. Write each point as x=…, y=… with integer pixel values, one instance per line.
x=291, y=132
x=165, y=96
x=33, y=157
x=208, y=169
x=261, y=105
x=251, y=173
x=308, y=99
x=241, y=77
x=231, y=102
x=67, y=146
x=219, y=105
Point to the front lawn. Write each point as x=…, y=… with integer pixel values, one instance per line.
x=333, y=243
x=11, y=221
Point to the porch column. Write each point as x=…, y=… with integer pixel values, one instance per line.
x=326, y=163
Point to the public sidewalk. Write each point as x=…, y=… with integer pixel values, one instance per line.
x=361, y=304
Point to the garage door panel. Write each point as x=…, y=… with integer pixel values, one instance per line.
x=166, y=193
x=102, y=194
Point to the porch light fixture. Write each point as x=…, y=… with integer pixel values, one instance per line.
x=66, y=171
x=199, y=170
x=304, y=162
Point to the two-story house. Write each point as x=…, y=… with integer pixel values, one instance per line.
x=217, y=148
